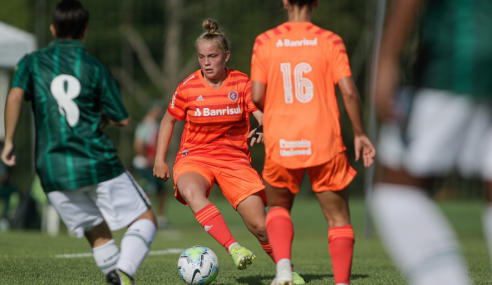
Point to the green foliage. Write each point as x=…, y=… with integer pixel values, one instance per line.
x=29, y=257
x=19, y=13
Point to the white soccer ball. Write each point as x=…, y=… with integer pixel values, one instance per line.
x=198, y=265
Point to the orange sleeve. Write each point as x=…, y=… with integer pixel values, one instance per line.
x=339, y=61
x=178, y=105
x=259, y=63
x=250, y=106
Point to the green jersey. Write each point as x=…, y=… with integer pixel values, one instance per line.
x=455, y=51
x=69, y=89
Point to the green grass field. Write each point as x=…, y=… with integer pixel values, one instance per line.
x=33, y=258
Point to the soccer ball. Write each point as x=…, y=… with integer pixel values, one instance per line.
x=198, y=265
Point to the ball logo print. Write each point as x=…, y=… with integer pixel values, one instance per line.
x=198, y=265
x=233, y=96
x=65, y=88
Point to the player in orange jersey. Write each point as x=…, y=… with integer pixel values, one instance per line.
x=215, y=102
x=295, y=67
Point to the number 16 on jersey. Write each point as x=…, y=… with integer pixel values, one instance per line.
x=303, y=86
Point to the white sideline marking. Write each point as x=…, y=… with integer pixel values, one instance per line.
x=154, y=252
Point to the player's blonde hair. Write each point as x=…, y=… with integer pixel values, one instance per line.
x=214, y=34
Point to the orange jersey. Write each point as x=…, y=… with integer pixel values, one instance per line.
x=300, y=63
x=217, y=120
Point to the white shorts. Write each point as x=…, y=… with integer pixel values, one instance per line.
x=118, y=201
x=442, y=132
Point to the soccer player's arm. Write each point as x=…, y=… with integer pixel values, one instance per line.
x=343, y=77
x=259, y=69
x=21, y=89
x=176, y=111
x=113, y=109
x=256, y=134
x=399, y=25
x=12, y=115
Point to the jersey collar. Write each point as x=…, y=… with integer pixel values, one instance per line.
x=67, y=43
x=200, y=76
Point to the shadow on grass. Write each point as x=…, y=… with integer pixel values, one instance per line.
x=257, y=279
x=313, y=277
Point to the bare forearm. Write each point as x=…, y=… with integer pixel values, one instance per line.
x=258, y=93
x=352, y=103
x=12, y=113
x=354, y=110
x=399, y=25
x=258, y=116
x=165, y=134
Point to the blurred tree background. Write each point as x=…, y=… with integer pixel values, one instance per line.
x=149, y=47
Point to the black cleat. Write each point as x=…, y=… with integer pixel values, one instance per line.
x=118, y=277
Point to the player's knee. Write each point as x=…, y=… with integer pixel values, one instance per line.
x=149, y=215
x=192, y=196
x=259, y=230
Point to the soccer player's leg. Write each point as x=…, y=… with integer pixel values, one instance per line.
x=135, y=244
x=104, y=249
x=281, y=186
x=81, y=215
x=280, y=231
x=413, y=229
x=123, y=203
x=194, y=182
x=415, y=232
x=252, y=211
x=340, y=233
x=330, y=188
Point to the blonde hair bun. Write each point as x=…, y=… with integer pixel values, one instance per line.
x=211, y=26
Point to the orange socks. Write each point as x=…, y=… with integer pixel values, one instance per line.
x=213, y=223
x=341, y=246
x=280, y=233
x=268, y=249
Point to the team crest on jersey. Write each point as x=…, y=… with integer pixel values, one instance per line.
x=233, y=96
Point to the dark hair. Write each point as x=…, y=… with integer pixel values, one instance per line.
x=301, y=3
x=213, y=33
x=70, y=19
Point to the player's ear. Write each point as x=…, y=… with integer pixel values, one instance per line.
x=84, y=34
x=53, y=31
x=227, y=55
x=316, y=3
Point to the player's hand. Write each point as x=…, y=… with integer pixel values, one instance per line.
x=161, y=170
x=256, y=135
x=8, y=156
x=364, y=148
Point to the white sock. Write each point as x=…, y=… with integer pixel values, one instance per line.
x=284, y=270
x=417, y=236
x=487, y=226
x=135, y=246
x=230, y=247
x=106, y=256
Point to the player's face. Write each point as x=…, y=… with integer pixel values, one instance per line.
x=212, y=60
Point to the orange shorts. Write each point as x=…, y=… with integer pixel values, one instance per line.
x=235, y=184
x=334, y=175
